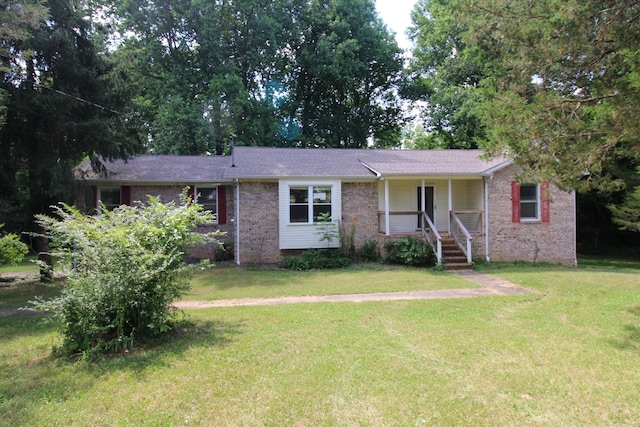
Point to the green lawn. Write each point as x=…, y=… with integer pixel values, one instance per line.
x=566, y=355
x=233, y=282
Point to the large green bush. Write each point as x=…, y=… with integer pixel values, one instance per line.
x=410, y=251
x=126, y=268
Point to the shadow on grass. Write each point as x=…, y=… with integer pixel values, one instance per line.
x=631, y=338
x=161, y=351
x=27, y=383
x=15, y=327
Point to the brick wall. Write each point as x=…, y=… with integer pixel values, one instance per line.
x=552, y=241
x=171, y=193
x=259, y=219
x=259, y=229
x=360, y=211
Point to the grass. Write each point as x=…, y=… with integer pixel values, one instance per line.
x=566, y=355
x=232, y=282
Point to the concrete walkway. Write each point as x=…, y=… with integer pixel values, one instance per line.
x=490, y=286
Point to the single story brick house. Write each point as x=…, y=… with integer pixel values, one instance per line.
x=268, y=200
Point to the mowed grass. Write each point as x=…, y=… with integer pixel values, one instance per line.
x=566, y=355
x=230, y=282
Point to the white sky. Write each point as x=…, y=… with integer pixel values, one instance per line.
x=397, y=15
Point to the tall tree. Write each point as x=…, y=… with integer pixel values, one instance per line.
x=59, y=110
x=17, y=17
x=555, y=84
x=563, y=95
x=444, y=77
x=262, y=72
x=348, y=71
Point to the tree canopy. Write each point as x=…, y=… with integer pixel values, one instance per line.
x=554, y=84
x=272, y=73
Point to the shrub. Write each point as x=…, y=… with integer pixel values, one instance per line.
x=126, y=269
x=410, y=251
x=369, y=252
x=317, y=258
x=12, y=249
x=224, y=252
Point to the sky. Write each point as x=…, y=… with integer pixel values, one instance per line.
x=397, y=15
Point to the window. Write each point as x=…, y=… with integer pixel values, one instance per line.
x=307, y=203
x=529, y=202
x=110, y=197
x=208, y=199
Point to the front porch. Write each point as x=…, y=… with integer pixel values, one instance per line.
x=436, y=209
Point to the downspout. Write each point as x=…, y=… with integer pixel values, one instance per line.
x=237, y=221
x=486, y=217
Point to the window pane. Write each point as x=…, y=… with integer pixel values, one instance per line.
x=208, y=198
x=320, y=209
x=529, y=192
x=299, y=213
x=529, y=210
x=322, y=195
x=110, y=197
x=299, y=195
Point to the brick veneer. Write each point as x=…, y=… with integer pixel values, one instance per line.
x=360, y=210
x=259, y=229
x=552, y=241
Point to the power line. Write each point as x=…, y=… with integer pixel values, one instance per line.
x=59, y=92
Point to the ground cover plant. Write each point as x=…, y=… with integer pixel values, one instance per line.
x=564, y=355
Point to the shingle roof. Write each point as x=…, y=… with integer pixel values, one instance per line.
x=273, y=163
x=262, y=162
x=155, y=168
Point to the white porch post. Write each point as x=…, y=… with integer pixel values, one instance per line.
x=450, y=206
x=386, y=208
x=423, y=203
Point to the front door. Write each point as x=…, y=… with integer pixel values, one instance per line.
x=428, y=203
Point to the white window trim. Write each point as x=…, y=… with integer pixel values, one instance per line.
x=538, y=203
x=310, y=186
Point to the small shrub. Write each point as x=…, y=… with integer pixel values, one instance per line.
x=317, y=258
x=224, y=252
x=12, y=249
x=369, y=252
x=410, y=251
x=347, y=240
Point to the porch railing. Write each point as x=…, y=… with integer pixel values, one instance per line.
x=461, y=235
x=430, y=234
x=472, y=220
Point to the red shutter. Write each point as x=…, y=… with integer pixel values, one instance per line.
x=544, y=200
x=125, y=195
x=190, y=194
x=222, y=205
x=515, y=201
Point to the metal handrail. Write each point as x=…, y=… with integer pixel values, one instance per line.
x=428, y=231
x=466, y=249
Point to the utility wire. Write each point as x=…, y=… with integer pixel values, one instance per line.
x=59, y=92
